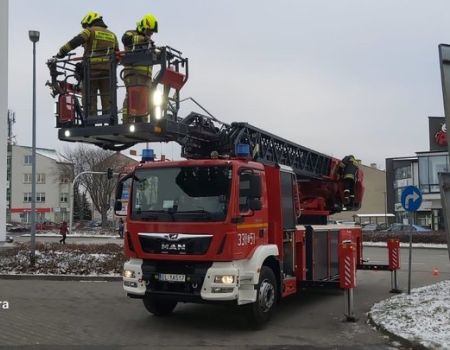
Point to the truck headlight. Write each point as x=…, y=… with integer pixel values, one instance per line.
x=129, y=274
x=225, y=279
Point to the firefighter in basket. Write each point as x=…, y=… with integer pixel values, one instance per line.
x=99, y=43
x=350, y=170
x=138, y=75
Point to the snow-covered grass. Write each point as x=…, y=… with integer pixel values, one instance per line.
x=423, y=317
x=76, y=234
x=70, y=259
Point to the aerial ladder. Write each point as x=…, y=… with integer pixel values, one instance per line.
x=198, y=134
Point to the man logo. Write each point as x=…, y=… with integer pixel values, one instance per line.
x=176, y=247
x=172, y=236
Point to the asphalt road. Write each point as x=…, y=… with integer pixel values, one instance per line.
x=97, y=315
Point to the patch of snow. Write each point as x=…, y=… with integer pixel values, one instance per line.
x=422, y=317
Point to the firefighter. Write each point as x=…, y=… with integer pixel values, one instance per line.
x=97, y=41
x=349, y=175
x=138, y=75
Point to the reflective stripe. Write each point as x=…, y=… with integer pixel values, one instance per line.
x=145, y=69
x=262, y=225
x=98, y=59
x=104, y=36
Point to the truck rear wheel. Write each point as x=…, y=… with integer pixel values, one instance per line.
x=158, y=306
x=260, y=311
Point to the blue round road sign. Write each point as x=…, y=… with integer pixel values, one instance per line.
x=411, y=198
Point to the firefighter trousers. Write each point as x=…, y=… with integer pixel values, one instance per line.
x=133, y=78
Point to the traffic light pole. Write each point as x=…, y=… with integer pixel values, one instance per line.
x=71, y=193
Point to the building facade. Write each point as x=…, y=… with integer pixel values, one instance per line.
x=421, y=171
x=52, y=188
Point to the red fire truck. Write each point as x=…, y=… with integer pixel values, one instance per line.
x=242, y=219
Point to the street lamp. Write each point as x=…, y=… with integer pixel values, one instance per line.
x=34, y=37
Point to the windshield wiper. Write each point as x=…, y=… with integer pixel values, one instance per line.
x=153, y=214
x=201, y=213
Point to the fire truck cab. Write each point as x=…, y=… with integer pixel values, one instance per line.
x=223, y=230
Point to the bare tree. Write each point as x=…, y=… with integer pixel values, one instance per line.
x=99, y=188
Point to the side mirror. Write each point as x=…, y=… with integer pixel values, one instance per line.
x=121, y=198
x=117, y=206
x=119, y=190
x=254, y=204
x=255, y=186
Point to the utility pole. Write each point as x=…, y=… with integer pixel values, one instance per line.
x=444, y=178
x=34, y=38
x=3, y=112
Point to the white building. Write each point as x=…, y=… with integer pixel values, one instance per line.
x=52, y=189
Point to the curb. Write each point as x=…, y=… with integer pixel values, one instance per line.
x=406, y=342
x=101, y=278
x=405, y=245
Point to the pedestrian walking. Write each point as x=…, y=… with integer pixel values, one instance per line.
x=121, y=228
x=63, y=230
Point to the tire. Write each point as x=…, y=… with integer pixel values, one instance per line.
x=259, y=312
x=159, y=307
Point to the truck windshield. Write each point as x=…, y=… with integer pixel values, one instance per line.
x=181, y=194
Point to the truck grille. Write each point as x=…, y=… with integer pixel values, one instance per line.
x=176, y=244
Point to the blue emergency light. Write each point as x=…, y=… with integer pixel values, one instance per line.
x=242, y=150
x=148, y=155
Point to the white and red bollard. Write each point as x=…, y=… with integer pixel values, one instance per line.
x=347, y=273
x=394, y=263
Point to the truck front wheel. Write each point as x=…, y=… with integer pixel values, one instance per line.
x=260, y=311
x=158, y=306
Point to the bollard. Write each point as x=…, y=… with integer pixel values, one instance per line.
x=394, y=263
x=347, y=274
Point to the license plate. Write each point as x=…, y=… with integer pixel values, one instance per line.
x=171, y=277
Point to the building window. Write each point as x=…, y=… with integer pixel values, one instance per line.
x=26, y=217
x=40, y=197
x=64, y=179
x=429, y=168
x=403, y=173
x=64, y=197
x=28, y=160
x=26, y=178
x=27, y=197
x=40, y=179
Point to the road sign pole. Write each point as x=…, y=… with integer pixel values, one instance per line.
x=411, y=201
x=411, y=215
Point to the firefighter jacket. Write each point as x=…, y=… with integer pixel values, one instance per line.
x=350, y=167
x=97, y=41
x=133, y=40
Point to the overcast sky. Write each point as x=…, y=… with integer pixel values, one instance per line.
x=341, y=77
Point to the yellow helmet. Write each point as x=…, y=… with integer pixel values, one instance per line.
x=148, y=22
x=89, y=18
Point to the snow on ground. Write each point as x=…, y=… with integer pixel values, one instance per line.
x=80, y=234
x=56, y=259
x=423, y=317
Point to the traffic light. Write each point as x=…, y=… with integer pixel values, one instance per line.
x=109, y=173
